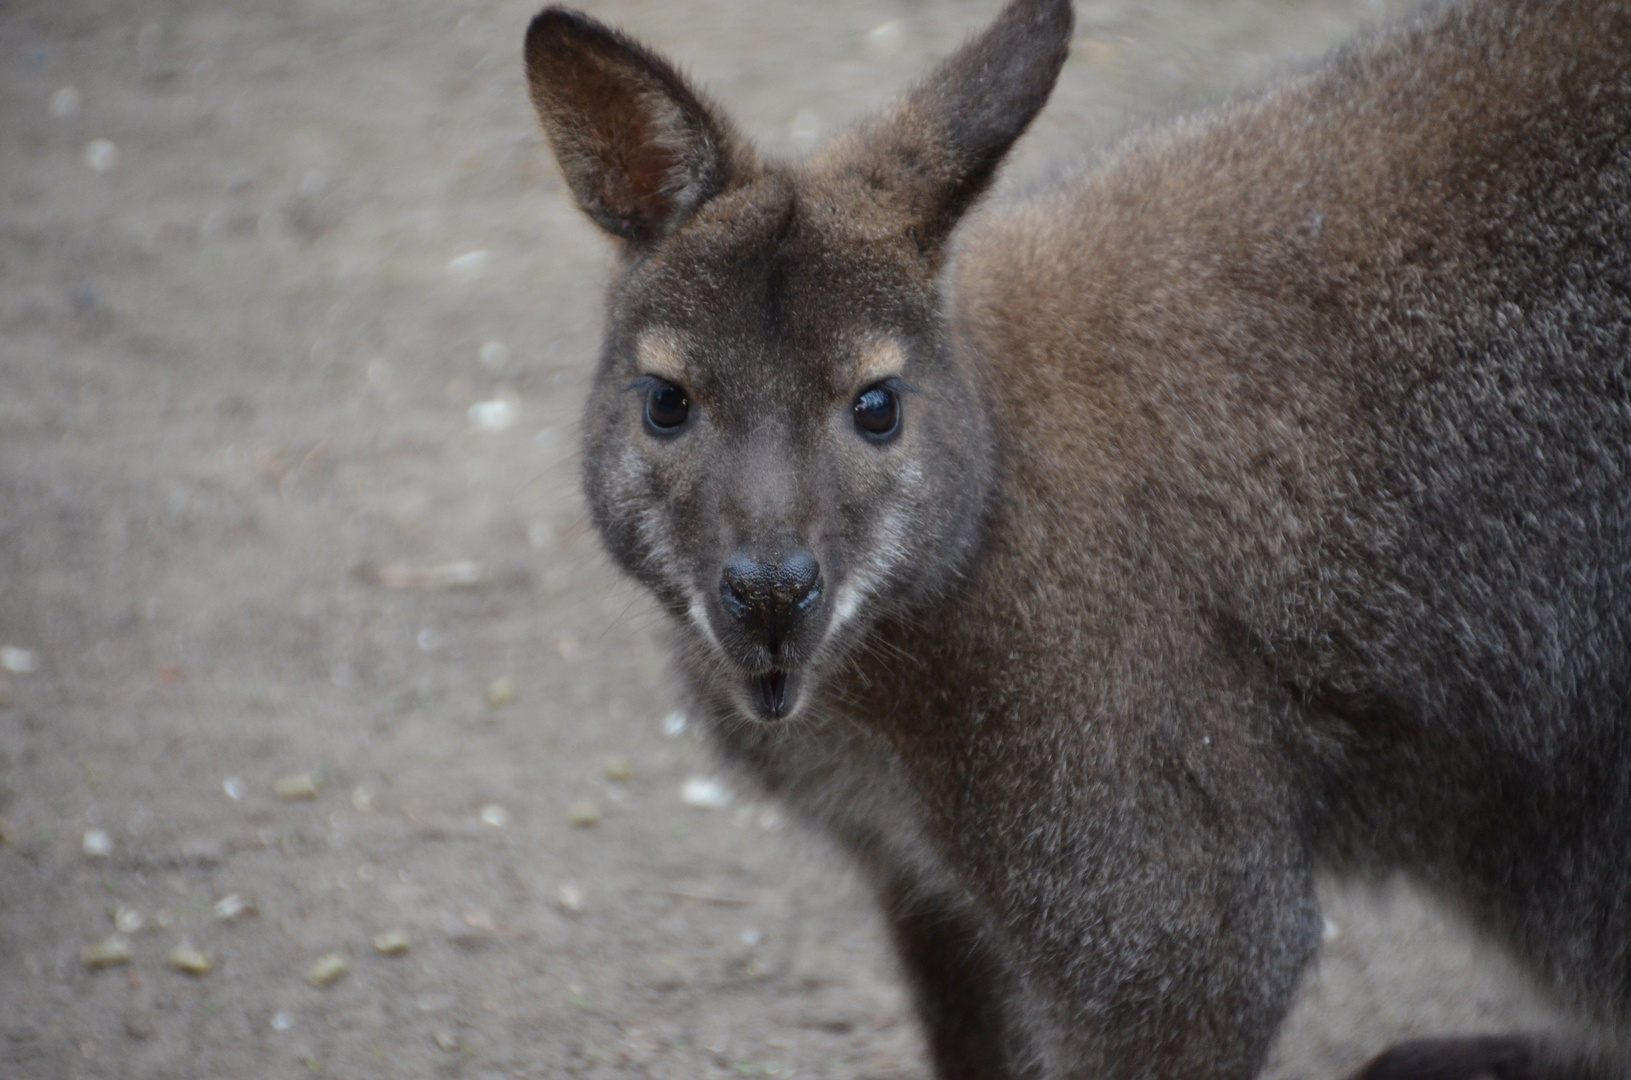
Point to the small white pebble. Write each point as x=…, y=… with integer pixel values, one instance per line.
x=234, y=788
x=540, y=534
x=362, y=799
x=233, y=906
x=18, y=661
x=127, y=920
x=705, y=792
x=66, y=102
x=446, y=1041
x=571, y=899
x=1332, y=930
x=501, y=691
x=281, y=1022
x=101, y=155
x=471, y=262
x=495, y=815
x=496, y=415
x=97, y=844
x=583, y=814
x=886, y=39
x=495, y=355
x=674, y=724
x=805, y=127
x=752, y=937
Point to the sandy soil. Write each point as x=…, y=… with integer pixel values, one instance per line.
x=289, y=373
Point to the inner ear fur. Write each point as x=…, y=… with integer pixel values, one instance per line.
x=640, y=148
x=928, y=158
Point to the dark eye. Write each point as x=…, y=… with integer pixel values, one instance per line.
x=666, y=406
x=877, y=413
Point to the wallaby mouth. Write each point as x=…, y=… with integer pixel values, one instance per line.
x=774, y=693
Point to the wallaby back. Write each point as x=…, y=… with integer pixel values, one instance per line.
x=1253, y=502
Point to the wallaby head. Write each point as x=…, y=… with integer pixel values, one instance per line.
x=779, y=442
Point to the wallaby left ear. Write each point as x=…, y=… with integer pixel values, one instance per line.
x=929, y=157
x=640, y=149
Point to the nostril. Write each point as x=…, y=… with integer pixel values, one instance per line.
x=737, y=586
x=734, y=602
x=800, y=577
x=734, y=588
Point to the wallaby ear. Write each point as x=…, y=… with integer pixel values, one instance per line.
x=640, y=149
x=930, y=156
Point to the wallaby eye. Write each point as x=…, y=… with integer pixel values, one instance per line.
x=666, y=406
x=877, y=412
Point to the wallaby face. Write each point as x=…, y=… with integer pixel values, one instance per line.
x=1255, y=503
x=779, y=442
x=789, y=448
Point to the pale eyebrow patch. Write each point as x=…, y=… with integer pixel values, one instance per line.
x=880, y=359
x=661, y=353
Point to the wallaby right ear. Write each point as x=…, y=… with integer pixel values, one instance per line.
x=640, y=149
x=932, y=155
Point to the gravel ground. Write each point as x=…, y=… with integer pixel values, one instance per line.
x=295, y=318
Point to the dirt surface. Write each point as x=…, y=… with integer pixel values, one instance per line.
x=289, y=374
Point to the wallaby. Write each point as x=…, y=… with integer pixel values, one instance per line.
x=1255, y=502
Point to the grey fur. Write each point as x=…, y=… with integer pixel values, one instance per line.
x=1262, y=503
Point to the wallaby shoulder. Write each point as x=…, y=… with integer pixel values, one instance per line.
x=1244, y=298
x=1449, y=146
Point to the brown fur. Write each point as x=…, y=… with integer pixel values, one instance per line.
x=1261, y=502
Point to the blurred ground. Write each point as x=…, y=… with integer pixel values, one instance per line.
x=295, y=318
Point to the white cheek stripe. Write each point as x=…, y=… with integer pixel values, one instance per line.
x=891, y=550
x=699, y=615
x=849, y=599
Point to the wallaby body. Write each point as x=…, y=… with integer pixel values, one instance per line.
x=1256, y=502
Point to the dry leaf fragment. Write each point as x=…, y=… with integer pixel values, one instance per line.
x=294, y=788
x=327, y=971
x=109, y=953
x=192, y=961
x=451, y=575
x=391, y=942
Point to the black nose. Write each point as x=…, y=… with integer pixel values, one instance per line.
x=769, y=598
